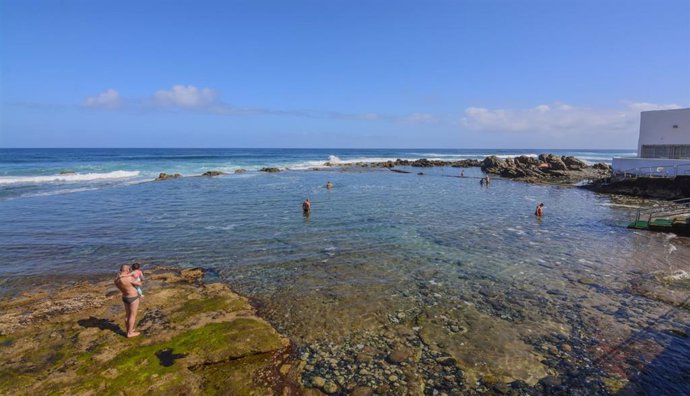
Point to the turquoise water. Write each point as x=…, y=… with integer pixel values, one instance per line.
x=380, y=243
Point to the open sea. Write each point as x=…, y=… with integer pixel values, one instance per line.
x=383, y=255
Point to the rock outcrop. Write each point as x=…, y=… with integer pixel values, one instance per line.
x=545, y=168
x=213, y=173
x=195, y=339
x=167, y=176
x=269, y=170
x=240, y=171
x=647, y=187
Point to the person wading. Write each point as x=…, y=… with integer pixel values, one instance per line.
x=539, y=212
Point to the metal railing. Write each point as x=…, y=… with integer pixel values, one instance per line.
x=678, y=207
x=668, y=172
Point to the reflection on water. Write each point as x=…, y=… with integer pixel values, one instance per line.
x=430, y=267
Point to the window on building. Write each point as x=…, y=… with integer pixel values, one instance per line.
x=671, y=151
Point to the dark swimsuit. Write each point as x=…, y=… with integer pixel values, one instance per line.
x=129, y=299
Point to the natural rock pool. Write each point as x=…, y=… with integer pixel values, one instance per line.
x=396, y=282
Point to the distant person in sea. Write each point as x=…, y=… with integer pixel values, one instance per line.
x=488, y=180
x=130, y=297
x=306, y=206
x=481, y=181
x=329, y=185
x=539, y=212
x=138, y=276
x=462, y=173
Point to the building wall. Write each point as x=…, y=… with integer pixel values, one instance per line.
x=657, y=127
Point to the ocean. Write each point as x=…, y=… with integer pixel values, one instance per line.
x=378, y=247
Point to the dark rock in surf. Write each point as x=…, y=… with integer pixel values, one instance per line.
x=167, y=176
x=213, y=173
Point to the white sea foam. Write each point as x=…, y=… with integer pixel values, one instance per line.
x=333, y=160
x=59, y=192
x=68, y=177
x=617, y=205
x=224, y=227
x=451, y=157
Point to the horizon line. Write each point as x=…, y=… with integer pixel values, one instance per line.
x=308, y=148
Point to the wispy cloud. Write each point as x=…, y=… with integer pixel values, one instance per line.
x=558, y=118
x=420, y=118
x=193, y=99
x=186, y=96
x=109, y=99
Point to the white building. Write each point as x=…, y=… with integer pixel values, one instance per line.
x=664, y=145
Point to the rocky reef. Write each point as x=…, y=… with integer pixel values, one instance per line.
x=269, y=170
x=545, y=168
x=196, y=339
x=420, y=163
x=167, y=176
x=648, y=187
x=213, y=173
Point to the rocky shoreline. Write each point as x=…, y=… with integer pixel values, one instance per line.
x=197, y=338
x=202, y=338
x=547, y=168
x=646, y=187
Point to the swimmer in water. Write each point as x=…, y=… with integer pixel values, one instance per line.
x=539, y=212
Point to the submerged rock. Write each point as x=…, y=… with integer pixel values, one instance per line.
x=240, y=171
x=269, y=170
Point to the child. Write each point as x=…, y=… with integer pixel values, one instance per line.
x=138, y=276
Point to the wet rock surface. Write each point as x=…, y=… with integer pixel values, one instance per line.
x=649, y=187
x=269, y=170
x=196, y=338
x=213, y=173
x=168, y=176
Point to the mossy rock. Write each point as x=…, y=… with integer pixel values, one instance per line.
x=197, y=339
x=180, y=364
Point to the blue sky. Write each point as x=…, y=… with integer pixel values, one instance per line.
x=455, y=74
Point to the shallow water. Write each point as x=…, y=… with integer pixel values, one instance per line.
x=397, y=258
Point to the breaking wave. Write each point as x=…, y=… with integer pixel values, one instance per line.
x=68, y=177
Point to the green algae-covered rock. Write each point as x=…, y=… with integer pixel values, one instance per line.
x=196, y=339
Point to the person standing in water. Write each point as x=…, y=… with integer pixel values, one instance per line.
x=306, y=206
x=329, y=185
x=462, y=173
x=539, y=212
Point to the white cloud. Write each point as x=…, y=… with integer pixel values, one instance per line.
x=559, y=118
x=109, y=99
x=644, y=106
x=186, y=96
